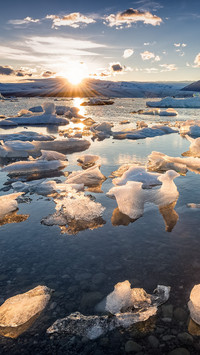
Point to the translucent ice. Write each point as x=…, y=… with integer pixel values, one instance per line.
x=89, y=177
x=138, y=173
x=33, y=166
x=88, y=160
x=194, y=304
x=51, y=155
x=8, y=203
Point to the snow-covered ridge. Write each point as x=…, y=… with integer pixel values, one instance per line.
x=90, y=87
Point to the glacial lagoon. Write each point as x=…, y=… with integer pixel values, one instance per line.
x=83, y=265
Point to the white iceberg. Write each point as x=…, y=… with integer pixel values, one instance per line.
x=131, y=197
x=157, y=111
x=162, y=162
x=194, y=149
x=138, y=173
x=147, y=132
x=33, y=166
x=89, y=177
x=8, y=203
x=122, y=301
x=194, y=304
x=189, y=102
x=47, y=118
x=26, y=136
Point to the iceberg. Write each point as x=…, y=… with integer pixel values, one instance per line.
x=47, y=118
x=147, y=132
x=131, y=197
x=126, y=306
x=8, y=203
x=194, y=304
x=158, y=112
x=138, y=173
x=19, y=312
x=77, y=211
x=26, y=136
x=88, y=160
x=65, y=146
x=97, y=102
x=194, y=149
x=89, y=177
x=33, y=166
x=51, y=155
x=15, y=149
x=189, y=102
x=162, y=162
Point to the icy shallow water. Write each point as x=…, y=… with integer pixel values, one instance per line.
x=83, y=268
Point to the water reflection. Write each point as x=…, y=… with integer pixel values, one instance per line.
x=77, y=101
x=76, y=226
x=193, y=328
x=170, y=216
x=120, y=219
x=13, y=218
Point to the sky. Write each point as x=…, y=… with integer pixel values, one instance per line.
x=140, y=40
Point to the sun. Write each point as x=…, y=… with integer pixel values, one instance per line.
x=76, y=73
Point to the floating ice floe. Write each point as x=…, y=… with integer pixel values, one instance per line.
x=33, y=166
x=24, y=112
x=8, y=203
x=131, y=197
x=193, y=205
x=161, y=162
x=157, y=111
x=16, y=149
x=77, y=211
x=141, y=124
x=97, y=102
x=45, y=187
x=138, y=173
x=26, y=136
x=19, y=312
x=126, y=306
x=68, y=111
x=64, y=146
x=88, y=160
x=36, y=109
x=194, y=149
x=194, y=304
x=190, y=127
x=89, y=177
x=47, y=118
x=51, y=155
x=101, y=130
x=189, y=102
x=149, y=132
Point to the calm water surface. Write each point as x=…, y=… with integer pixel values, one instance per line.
x=84, y=268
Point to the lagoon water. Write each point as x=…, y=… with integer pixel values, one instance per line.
x=83, y=268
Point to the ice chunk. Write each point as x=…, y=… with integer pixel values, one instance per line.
x=68, y=111
x=157, y=130
x=161, y=162
x=36, y=109
x=194, y=304
x=65, y=146
x=189, y=102
x=24, y=112
x=94, y=326
x=194, y=149
x=168, y=112
x=15, y=149
x=77, y=211
x=51, y=155
x=89, y=177
x=141, y=124
x=8, y=203
x=102, y=127
x=138, y=173
x=33, y=166
x=19, y=312
x=193, y=205
x=97, y=102
x=131, y=198
x=88, y=160
x=26, y=136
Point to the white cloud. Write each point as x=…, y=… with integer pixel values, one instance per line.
x=24, y=21
x=147, y=55
x=128, y=53
x=168, y=67
x=157, y=58
x=129, y=16
x=74, y=20
x=197, y=60
x=180, y=44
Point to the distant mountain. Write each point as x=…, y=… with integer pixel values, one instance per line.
x=60, y=87
x=192, y=87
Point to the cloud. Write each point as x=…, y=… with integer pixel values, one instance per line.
x=7, y=70
x=129, y=16
x=197, y=60
x=128, y=53
x=146, y=55
x=168, y=67
x=47, y=74
x=24, y=21
x=180, y=44
x=157, y=58
x=74, y=20
x=116, y=67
